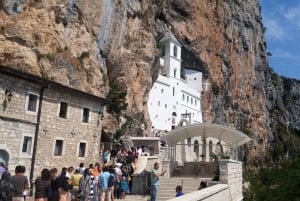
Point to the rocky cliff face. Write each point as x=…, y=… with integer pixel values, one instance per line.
x=91, y=44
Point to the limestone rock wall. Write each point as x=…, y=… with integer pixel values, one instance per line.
x=91, y=44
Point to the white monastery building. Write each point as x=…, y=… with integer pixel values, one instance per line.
x=174, y=96
x=175, y=100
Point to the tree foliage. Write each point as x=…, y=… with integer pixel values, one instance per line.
x=117, y=99
x=275, y=184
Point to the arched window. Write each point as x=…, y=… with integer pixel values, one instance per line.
x=174, y=115
x=175, y=51
x=196, y=149
x=210, y=150
x=203, y=155
x=4, y=157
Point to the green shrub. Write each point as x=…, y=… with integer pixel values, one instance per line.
x=117, y=99
x=237, y=2
x=280, y=183
x=15, y=7
x=2, y=4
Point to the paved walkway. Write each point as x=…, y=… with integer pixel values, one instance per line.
x=135, y=198
x=127, y=198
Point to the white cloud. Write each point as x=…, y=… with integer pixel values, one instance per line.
x=281, y=53
x=274, y=29
x=286, y=57
x=292, y=14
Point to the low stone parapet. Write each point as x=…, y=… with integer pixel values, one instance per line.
x=229, y=189
x=215, y=192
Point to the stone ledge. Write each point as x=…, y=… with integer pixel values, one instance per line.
x=202, y=194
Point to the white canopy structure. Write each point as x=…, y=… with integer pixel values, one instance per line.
x=230, y=136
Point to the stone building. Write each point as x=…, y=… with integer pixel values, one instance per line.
x=44, y=124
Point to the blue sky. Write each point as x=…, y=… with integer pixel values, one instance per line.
x=282, y=20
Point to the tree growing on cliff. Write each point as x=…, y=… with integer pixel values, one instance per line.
x=117, y=99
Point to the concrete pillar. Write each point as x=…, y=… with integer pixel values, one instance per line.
x=231, y=173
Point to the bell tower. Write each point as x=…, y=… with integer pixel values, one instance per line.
x=171, y=56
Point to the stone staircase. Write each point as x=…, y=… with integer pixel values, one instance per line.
x=167, y=186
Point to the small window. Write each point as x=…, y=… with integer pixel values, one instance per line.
x=192, y=100
x=58, y=147
x=183, y=97
x=158, y=103
x=162, y=90
x=195, y=102
x=27, y=144
x=85, y=115
x=173, y=91
x=187, y=99
x=175, y=73
x=82, y=149
x=63, y=110
x=166, y=105
x=175, y=51
x=32, y=103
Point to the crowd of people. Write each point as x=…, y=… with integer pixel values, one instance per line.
x=103, y=181
x=106, y=181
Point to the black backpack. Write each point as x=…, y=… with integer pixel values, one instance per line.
x=128, y=159
x=65, y=184
x=111, y=181
x=6, y=187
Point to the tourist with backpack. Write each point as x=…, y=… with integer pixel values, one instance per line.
x=6, y=188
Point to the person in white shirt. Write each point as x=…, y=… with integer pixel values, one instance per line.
x=139, y=151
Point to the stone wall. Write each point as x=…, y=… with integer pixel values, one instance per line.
x=71, y=130
x=16, y=123
x=11, y=137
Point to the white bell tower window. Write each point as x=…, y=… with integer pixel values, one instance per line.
x=175, y=51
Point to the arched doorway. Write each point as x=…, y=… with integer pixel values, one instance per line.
x=210, y=150
x=4, y=157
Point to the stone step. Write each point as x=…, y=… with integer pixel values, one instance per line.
x=167, y=186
